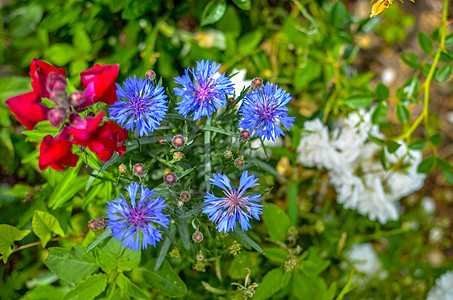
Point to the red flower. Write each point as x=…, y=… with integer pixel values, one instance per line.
x=56, y=153
x=40, y=71
x=28, y=109
x=82, y=129
x=100, y=83
x=109, y=137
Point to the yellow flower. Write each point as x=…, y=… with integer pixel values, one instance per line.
x=379, y=7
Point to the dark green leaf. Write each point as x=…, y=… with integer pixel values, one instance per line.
x=107, y=233
x=380, y=113
x=443, y=165
x=166, y=280
x=392, y=146
x=213, y=12
x=88, y=289
x=402, y=112
x=276, y=254
x=113, y=256
x=358, y=101
x=247, y=239
x=448, y=175
x=436, y=139
x=410, y=59
x=443, y=73
x=243, y=4
x=427, y=165
x=338, y=14
x=425, y=42
x=271, y=284
x=417, y=145
x=243, y=261
x=382, y=91
x=131, y=288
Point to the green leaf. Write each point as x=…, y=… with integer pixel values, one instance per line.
x=425, y=42
x=244, y=260
x=71, y=265
x=243, y=4
x=392, y=146
x=8, y=235
x=427, y=165
x=382, y=91
x=247, y=239
x=436, y=139
x=443, y=73
x=308, y=287
x=277, y=222
x=117, y=5
x=48, y=292
x=448, y=175
x=130, y=288
x=338, y=14
x=166, y=280
x=410, y=59
x=13, y=86
x=107, y=233
x=81, y=40
x=266, y=167
x=213, y=12
x=402, y=112
x=44, y=224
x=417, y=145
x=380, y=113
x=349, y=286
x=250, y=41
x=358, y=101
x=277, y=254
x=271, y=284
x=310, y=71
x=61, y=53
x=88, y=289
x=113, y=256
x=443, y=164
x=218, y=130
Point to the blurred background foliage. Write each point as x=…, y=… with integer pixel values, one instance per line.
x=314, y=49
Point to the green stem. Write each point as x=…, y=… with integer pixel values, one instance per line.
x=425, y=113
x=207, y=156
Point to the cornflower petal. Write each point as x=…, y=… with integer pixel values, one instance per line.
x=143, y=107
x=263, y=110
x=226, y=211
x=134, y=225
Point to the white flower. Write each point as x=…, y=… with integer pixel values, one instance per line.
x=239, y=81
x=443, y=289
x=365, y=260
x=428, y=205
x=315, y=149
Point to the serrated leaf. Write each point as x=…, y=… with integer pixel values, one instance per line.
x=166, y=280
x=425, y=42
x=8, y=235
x=131, y=288
x=277, y=222
x=113, y=256
x=213, y=11
x=44, y=224
x=71, y=265
x=427, y=165
x=89, y=289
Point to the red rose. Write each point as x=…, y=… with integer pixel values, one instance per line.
x=56, y=153
x=42, y=84
x=28, y=109
x=100, y=83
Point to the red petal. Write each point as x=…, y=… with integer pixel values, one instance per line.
x=39, y=71
x=28, y=109
x=103, y=79
x=105, y=155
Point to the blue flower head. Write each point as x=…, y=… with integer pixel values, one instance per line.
x=142, y=106
x=135, y=224
x=263, y=109
x=203, y=92
x=225, y=211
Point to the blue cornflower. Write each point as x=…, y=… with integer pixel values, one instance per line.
x=263, y=109
x=225, y=211
x=143, y=108
x=136, y=223
x=202, y=93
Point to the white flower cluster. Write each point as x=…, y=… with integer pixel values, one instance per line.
x=443, y=289
x=365, y=260
x=355, y=168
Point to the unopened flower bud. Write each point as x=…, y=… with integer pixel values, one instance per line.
x=150, y=75
x=161, y=140
x=200, y=256
x=56, y=116
x=244, y=136
x=97, y=224
x=227, y=154
x=197, y=237
x=180, y=204
x=178, y=156
x=139, y=169
x=257, y=83
x=230, y=100
x=178, y=141
x=79, y=100
x=170, y=179
x=56, y=86
x=239, y=162
x=185, y=196
x=122, y=168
